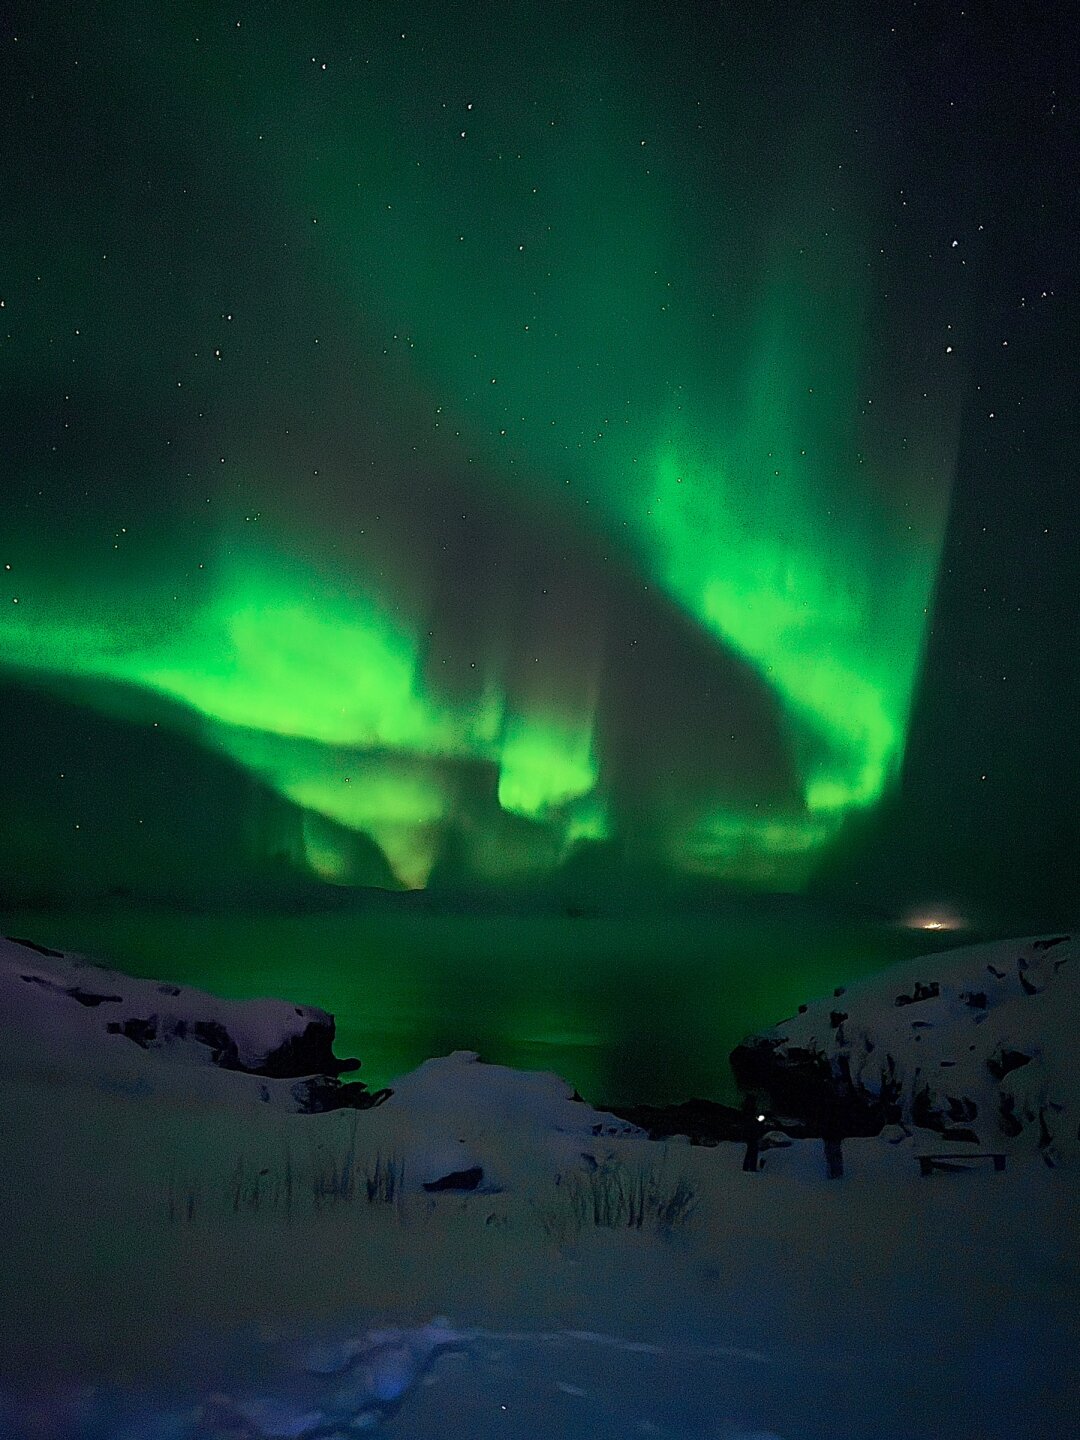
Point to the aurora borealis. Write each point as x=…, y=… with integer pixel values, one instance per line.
x=504, y=434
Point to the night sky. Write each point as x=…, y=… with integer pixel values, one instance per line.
x=470, y=445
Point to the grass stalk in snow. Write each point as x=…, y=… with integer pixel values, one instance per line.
x=616, y=1197
x=333, y=1177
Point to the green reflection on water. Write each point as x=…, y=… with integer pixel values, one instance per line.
x=625, y=1008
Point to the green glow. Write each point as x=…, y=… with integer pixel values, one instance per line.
x=543, y=766
x=319, y=692
x=752, y=850
x=598, y=327
x=802, y=611
x=730, y=456
x=287, y=653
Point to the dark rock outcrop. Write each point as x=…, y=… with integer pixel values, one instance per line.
x=309, y=1053
x=921, y=992
x=1003, y=1061
x=285, y=1050
x=469, y=1179
x=930, y=1113
x=704, y=1122
x=33, y=945
x=804, y=1084
x=1009, y=1122
x=142, y=1032
x=317, y=1094
x=89, y=998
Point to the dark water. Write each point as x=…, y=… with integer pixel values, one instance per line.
x=627, y=1008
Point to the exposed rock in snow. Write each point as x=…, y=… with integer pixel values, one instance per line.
x=703, y=1122
x=976, y=1046
x=578, y=1326
x=460, y=1180
x=64, y=1015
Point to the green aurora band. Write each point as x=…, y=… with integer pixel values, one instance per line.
x=683, y=380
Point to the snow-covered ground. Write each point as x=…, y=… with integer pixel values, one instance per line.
x=483, y=1255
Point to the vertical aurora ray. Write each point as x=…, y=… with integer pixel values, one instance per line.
x=776, y=539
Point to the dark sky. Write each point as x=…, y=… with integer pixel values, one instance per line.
x=454, y=444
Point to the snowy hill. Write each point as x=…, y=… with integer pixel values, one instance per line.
x=976, y=1045
x=66, y=1017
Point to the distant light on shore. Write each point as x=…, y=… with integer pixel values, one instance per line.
x=934, y=918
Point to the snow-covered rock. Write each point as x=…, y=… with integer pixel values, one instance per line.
x=462, y=1089
x=65, y=1016
x=456, y=1115
x=974, y=1047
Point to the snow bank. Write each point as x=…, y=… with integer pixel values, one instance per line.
x=65, y=1017
x=974, y=1048
x=455, y=1115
